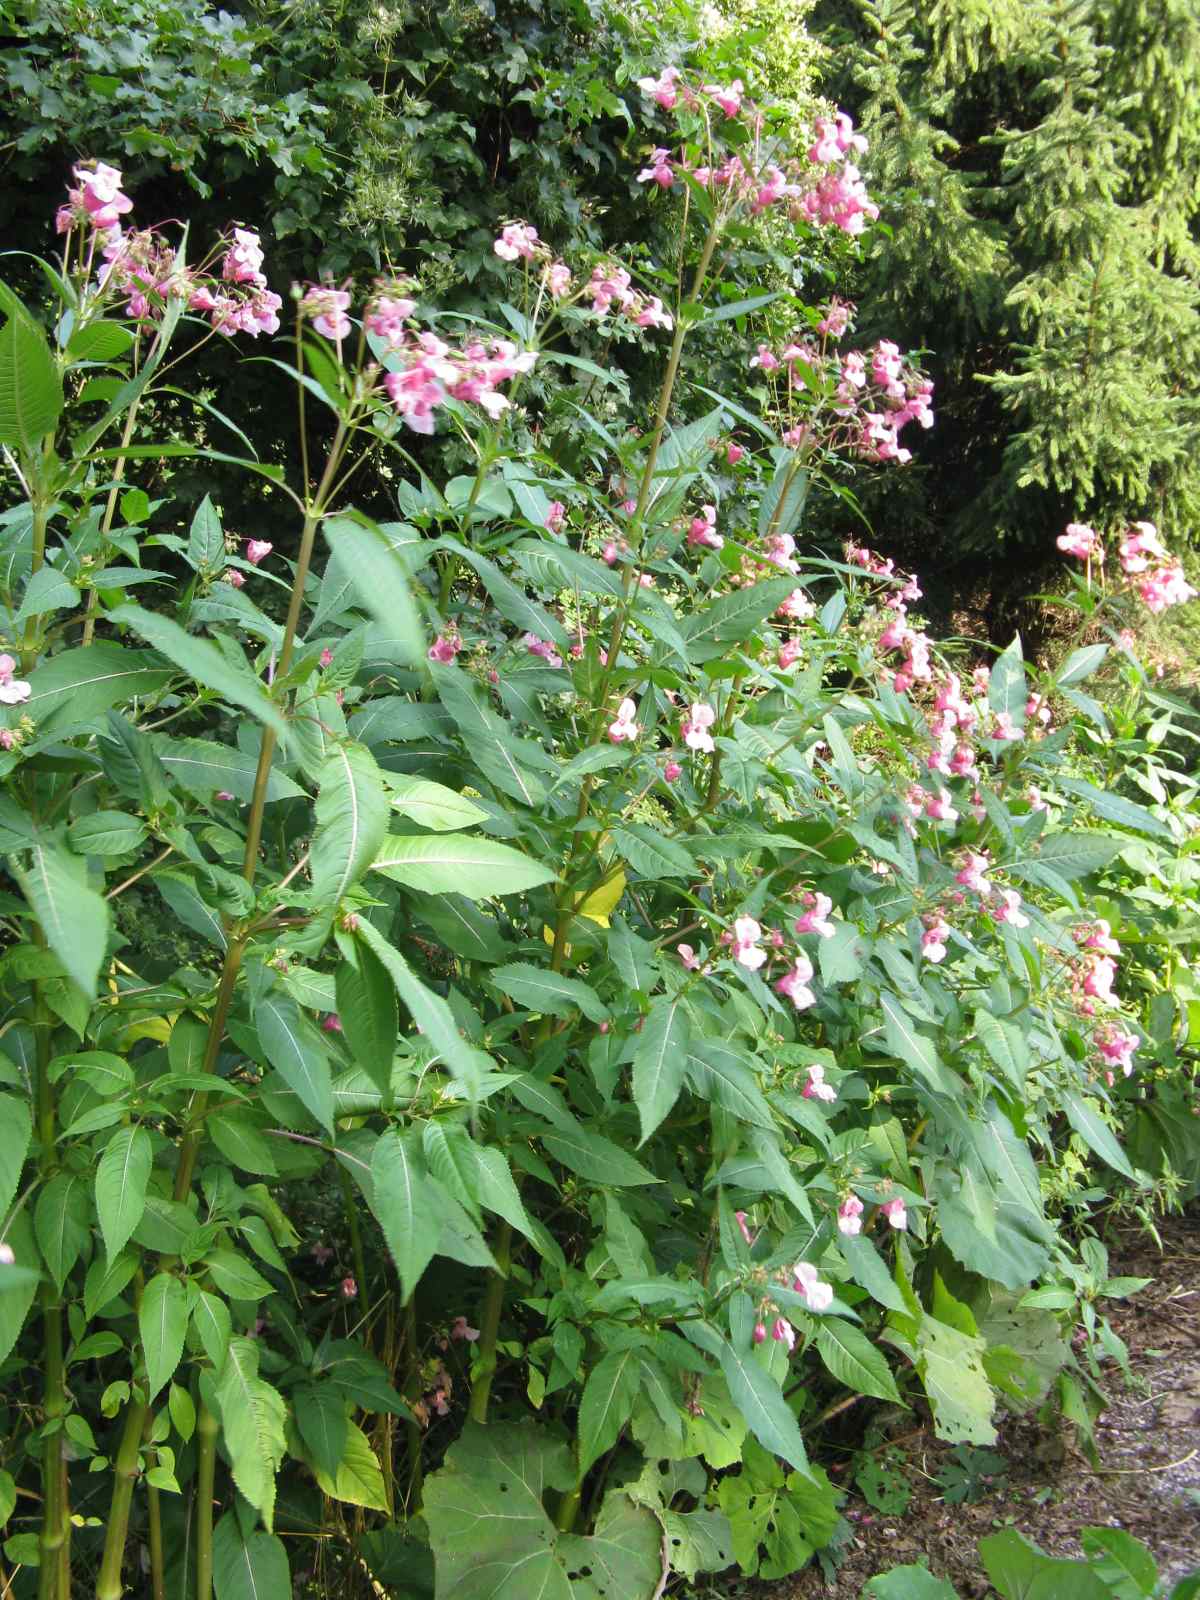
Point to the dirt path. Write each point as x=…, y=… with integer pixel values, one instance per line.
x=1149, y=1438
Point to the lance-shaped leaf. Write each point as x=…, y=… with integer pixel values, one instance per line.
x=296, y=1050
x=72, y=916
x=548, y=993
x=378, y=579
x=405, y=1204
x=357, y=1478
x=430, y=1013
x=201, y=660
x=606, y=1404
x=352, y=819
x=513, y=604
x=90, y=680
x=252, y=1418
x=121, y=1179
x=366, y=1004
x=659, y=1060
x=248, y=1566
x=854, y=1360
x=459, y=864
x=31, y=391
x=16, y=1128
x=162, y=1323
x=761, y=1402
x=432, y=804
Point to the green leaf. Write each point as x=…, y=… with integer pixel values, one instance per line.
x=1115, y=808
x=213, y=1325
x=73, y=917
x=606, y=1404
x=1006, y=687
x=121, y=1180
x=62, y=1223
x=659, y=1059
x=548, y=993
x=1122, y=1562
x=358, y=1480
x=908, y=1583
x=727, y=1076
x=91, y=680
x=106, y=833
x=914, y=1048
x=366, y=1004
x=761, y=1401
x=783, y=499
x=651, y=854
x=296, y=1050
x=596, y=1158
x=31, y=391
x=205, y=664
x=162, y=1323
x=352, y=819
x=732, y=618
x=433, y=805
x=16, y=1130
x=405, y=1205
x=458, y=864
x=1096, y=1134
x=379, y=580
x=252, y=1419
x=493, y=1540
x=1020, y=1571
x=513, y=604
x=17, y=1295
x=950, y=1363
x=46, y=591
x=1080, y=664
x=430, y=1013
x=206, y=538
x=203, y=767
x=235, y=1277
x=320, y=1413
x=248, y=1566
x=99, y=340
x=1005, y=1045
x=854, y=1360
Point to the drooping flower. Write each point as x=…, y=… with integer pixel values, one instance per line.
x=349, y=1288
x=1098, y=979
x=1139, y=547
x=327, y=307
x=672, y=772
x=729, y=99
x=662, y=89
x=625, y=724
x=556, y=516
x=783, y=1332
x=703, y=529
x=794, y=984
x=100, y=194
x=815, y=917
x=234, y=578
x=13, y=691
x=332, y=1023
x=460, y=1328
x=1116, y=1046
x=694, y=728
x=258, y=550
x=747, y=950
x=972, y=874
x=815, y=1087
x=849, y=1217
x=933, y=940
x=896, y=1212
x=444, y=648
x=807, y=1283
x=688, y=957
x=1009, y=909
x=516, y=241
x=1081, y=541
x=658, y=169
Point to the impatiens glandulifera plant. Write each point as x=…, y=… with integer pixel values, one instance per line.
x=675, y=993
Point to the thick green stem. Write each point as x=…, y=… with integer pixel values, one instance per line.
x=109, y=1585
x=489, y=1325
x=568, y=1509
x=206, y=1468
x=55, y=1507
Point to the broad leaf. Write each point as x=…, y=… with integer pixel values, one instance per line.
x=379, y=581
x=430, y=1013
x=248, y=1566
x=252, y=1419
x=162, y=1323
x=854, y=1360
x=121, y=1179
x=72, y=916
x=761, y=1401
x=606, y=1404
x=548, y=993
x=405, y=1204
x=458, y=864
x=31, y=391
x=352, y=819
x=296, y=1050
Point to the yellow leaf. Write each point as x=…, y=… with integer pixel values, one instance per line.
x=602, y=902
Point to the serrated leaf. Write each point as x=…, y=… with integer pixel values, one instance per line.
x=162, y=1323
x=854, y=1360
x=295, y=1049
x=16, y=1130
x=458, y=864
x=121, y=1179
x=659, y=1061
x=358, y=1480
x=206, y=538
x=596, y=1158
x=61, y=1221
x=248, y=1566
x=606, y=1404
x=73, y=917
x=405, y=1205
x=432, y=804
x=379, y=580
x=352, y=819
x=761, y=1402
x=90, y=680
x=366, y=1004
x=430, y=1013
x=1096, y=1134
x=252, y=1419
x=548, y=993
x=31, y=392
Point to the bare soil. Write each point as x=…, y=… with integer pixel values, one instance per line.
x=1148, y=1481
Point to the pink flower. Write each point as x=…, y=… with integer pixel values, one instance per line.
x=1116, y=1046
x=933, y=940
x=794, y=984
x=694, y=728
x=662, y=88
x=688, y=957
x=836, y=319
x=1141, y=542
x=444, y=648
x=703, y=530
x=332, y=1023
x=1009, y=909
x=541, y=647
x=779, y=552
x=765, y=359
x=816, y=915
x=625, y=726
x=556, y=515
x=972, y=874
x=558, y=279
x=760, y=1332
x=13, y=691
x=233, y=577
x=349, y=1289
x=938, y=807
x=7, y=1255
x=609, y=554
x=460, y=1328
x=733, y=454
x=1098, y=979
x=654, y=315
x=1165, y=586
x=850, y=1215
x=1080, y=541
x=783, y=1332
x=325, y=659
x=387, y=316
x=609, y=284
x=1004, y=728
x=1034, y=796
x=672, y=772
x=815, y=1087
x=258, y=550
x=798, y=607
x=740, y=1219
x=806, y=1283
x=896, y=1212
x=730, y=99
x=789, y=653
x=1098, y=936
x=242, y=262
x=746, y=949
x=225, y=794
x=517, y=241
x=659, y=169
x=327, y=308
x=100, y=194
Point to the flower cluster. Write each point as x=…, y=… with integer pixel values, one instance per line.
x=425, y=372
x=609, y=288
x=1156, y=574
x=824, y=188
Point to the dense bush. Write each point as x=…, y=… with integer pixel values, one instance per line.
x=656, y=968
